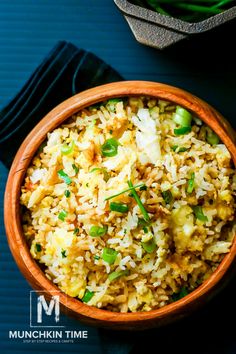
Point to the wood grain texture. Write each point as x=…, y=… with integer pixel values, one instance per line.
x=17, y=243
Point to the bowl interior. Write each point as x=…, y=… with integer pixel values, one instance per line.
x=16, y=239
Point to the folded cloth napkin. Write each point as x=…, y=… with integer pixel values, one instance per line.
x=66, y=71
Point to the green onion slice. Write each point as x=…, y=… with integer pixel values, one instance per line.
x=75, y=168
x=177, y=148
x=76, y=230
x=96, y=257
x=182, y=117
x=182, y=293
x=115, y=275
x=62, y=215
x=138, y=201
x=167, y=196
x=67, y=193
x=109, y=255
x=64, y=176
x=110, y=147
x=120, y=207
x=142, y=222
x=87, y=296
x=106, y=175
x=211, y=137
x=97, y=231
x=149, y=246
x=191, y=184
x=199, y=213
x=112, y=103
x=182, y=130
x=125, y=190
x=68, y=149
x=38, y=247
x=63, y=253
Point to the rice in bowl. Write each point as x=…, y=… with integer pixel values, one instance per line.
x=130, y=204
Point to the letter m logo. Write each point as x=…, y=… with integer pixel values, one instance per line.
x=45, y=310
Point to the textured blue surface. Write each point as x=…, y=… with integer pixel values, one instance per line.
x=28, y=30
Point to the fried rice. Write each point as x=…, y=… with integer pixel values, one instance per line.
x=125, y=209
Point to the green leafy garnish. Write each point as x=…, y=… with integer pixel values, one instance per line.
x=182, y=117
x=167, y=196
x=149, y=246
x=76, y=230
x=64, y=176
x=111, y=104
x=68, y=149
x=120, y=207
x=67, y=193
x=109, y=255
x=139, y=202
x=87, y=296
x=106, y=175
x=62, y=215
x=125, y=190
x=211, y=137
x=182, y=130
x=198, y=212
x=177, y=148
x=191, y=184
x=75, y=168
x=182, y=293
x=97, y=231
x=63, y=253
x=38, y=247
x=115, y=275
x=110, y=148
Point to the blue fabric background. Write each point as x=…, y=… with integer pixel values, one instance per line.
x=205, y=66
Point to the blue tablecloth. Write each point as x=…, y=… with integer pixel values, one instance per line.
x=206, y=67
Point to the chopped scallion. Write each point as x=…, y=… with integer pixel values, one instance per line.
x=182, y=117
x=199, y=213
x=96, y=257
x=120, y=207
x=109, y=255
x=68, y=149
x=211, y=137
x=67, y=193
x=64, y=176
x=182, y=293
x=110, y=148
x=139, y=202
x=97, y=231
x=167, y=196
x=177, y=148
x=62, y=215
x=87, y=296
x=142, y=222
x=182, y=130
x=191, y=184
x=104, y=171
x=63, y=253
x=149, y=246
x=76, y=168
x=115, y=275
x=76, y=230
x=38, y=247
x=125, y=190
x=112, y=103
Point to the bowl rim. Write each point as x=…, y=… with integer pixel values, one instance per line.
x=174, y=23
x=53, y=119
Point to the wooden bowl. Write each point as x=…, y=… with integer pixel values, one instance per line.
x=16, y=239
